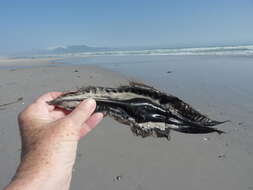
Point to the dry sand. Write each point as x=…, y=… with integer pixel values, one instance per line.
x=110, y=157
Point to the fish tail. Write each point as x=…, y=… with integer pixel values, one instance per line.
x=198, y=130
x=186, y=126
x=213, y=123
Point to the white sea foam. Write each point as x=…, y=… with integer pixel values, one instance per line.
x=224, y=50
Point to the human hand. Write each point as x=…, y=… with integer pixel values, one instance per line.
x=49, y=141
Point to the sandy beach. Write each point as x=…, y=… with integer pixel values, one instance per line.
x=110, y=157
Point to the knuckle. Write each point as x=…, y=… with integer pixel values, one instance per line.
x=22, y=116
x=25, y=115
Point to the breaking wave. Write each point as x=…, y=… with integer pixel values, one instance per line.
x=225, y=50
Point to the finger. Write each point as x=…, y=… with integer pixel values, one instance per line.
x=94, y=120
x=90, y=124
x=82, y=112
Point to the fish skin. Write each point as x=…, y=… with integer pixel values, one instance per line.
x=148, y=111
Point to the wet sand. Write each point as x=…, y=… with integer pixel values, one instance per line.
x=110, y=157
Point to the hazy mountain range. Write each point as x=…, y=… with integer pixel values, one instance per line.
x=71, y=49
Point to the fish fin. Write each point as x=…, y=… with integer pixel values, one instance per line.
x=187, y=126
x=187, y=112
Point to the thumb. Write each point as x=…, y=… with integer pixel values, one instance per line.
x=82, y=112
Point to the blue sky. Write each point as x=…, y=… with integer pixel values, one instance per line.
x=31, y=24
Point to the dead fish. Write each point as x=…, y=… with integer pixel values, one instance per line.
x=148, y=111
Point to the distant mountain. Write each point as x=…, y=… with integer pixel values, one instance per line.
x=77, y=49
x=70, y=49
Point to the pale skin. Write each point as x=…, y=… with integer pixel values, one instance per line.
x=49, y=143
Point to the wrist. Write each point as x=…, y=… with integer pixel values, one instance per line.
x=34, y=172
x=40, y=178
